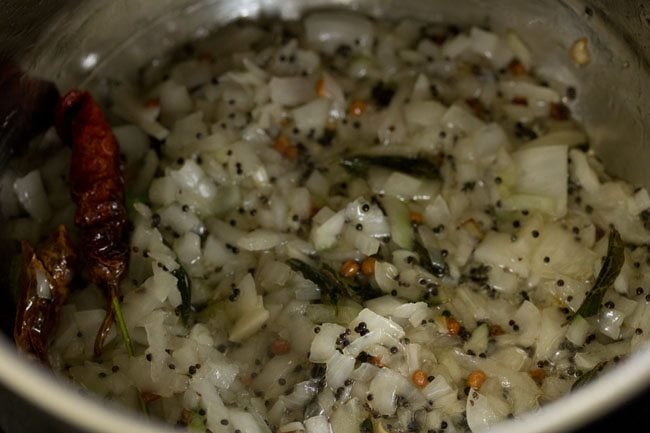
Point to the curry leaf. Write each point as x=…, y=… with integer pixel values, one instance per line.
x=333, y=286
x=358, y=291
x=606, y=277
x=329, y=286
x=359, y=165
x=439, y=268
x=185, y=287
x=588, y=376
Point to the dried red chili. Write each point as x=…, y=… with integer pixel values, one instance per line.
x=98, y=190
x=45, y=277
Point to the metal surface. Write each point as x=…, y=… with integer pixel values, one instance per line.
x=74, y=42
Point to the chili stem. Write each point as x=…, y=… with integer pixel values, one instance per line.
x=127, y=343
x=120, y=321
x=143, y=405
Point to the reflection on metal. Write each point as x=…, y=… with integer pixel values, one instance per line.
x=89, y=61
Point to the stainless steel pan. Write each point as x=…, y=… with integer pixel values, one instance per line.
x=81, y=42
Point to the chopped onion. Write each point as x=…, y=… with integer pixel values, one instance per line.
x=532, y=92
x=385, y=275
x=317, y=424
x=578, y=331
x=32, y=195
x=384, y=387
x=43, y=285
x=542, y=180
x=260, y=240
x=292, y=91
x=484, y=411
x=458, y=118
x=324, y=235
x=610, y=321
x=551, y=333
x=312, y=115
x=329, y=30
x=374, y=322
x=519, y=49
x=323, y=345
x=339, y=368
x=175, y=101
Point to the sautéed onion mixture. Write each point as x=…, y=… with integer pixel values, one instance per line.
x=347, y=225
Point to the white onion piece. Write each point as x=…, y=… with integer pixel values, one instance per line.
x=317, y=184
x=519, y=49
x=134, y=143
x=483, y=42
x=384, y=388
x=551, y=333
x=583, y=173
x=312, y=115
x=425, y=113
x=639, y=202
x=453, y=47
x=249, y=163
x=162, y=191
x=323, y=345
x=528, y=318
x=484, y=411
x=532, y=92
x=248, y=324
x=182, y=139
x=365, y=244
x=578, y=331
x=332, y=90
x=438, y=388
x=566, y=257
x=401, y=185
x=292, y=427
x=318, y=424
x=162, y=284
x=542, y=180
x=372, y=338
x=385, y=276
x=329, y=30
x=220, y=373
x=414, y=312
x=497, y=249
x=384, y=305
x=398, y=218
x=260, y=240
x=512, y=357
x=478, y=342
x=610, y=321
x=175, y=101
x=32, y=195
x=247, y=422
x=179, y=220
x=339, y=368
x=487, y=141
x=569, y=137
x=325, y=234
x=292, y=91
x=188, y=248
x=375, y=322
x=457, y=117
x=369, y=215
x=302, y=394
x=43, y=285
